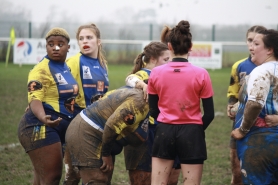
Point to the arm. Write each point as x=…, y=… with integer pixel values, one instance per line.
x=271, y=120
x=134, y=80
x=108, y=139
x=232, y=100
x=251, y=112
x=208, y=111
x=38, y=111
x=38, y=82
x=154, y=110
x=233, y=89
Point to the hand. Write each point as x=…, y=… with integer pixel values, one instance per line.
x=237, y=134
x=231, y=116
x=107, y=164
x=271, y=120
x=27, y=108
x=145, y=91
x=51, y=123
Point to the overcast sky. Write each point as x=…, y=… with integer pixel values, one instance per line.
x=206, y=12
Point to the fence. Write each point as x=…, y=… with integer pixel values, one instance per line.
x=125, y=51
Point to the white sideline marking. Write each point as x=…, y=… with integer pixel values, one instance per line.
x=3, y=147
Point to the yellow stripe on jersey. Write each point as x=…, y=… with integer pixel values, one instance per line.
x=142, y=75
x=234, y=87
x=74, y=64
x=151, y=120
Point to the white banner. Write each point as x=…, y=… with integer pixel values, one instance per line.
x=206, y=54
x=31, y=51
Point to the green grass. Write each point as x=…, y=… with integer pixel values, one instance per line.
x=16, y=166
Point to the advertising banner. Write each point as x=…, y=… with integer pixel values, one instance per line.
x=206, y=54
x=31, y=51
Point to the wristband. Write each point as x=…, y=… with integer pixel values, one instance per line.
x=245, y=131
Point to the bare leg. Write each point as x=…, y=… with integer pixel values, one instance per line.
x=48, y=164
x=161, y=169
x=235, y=165
x=192, y=174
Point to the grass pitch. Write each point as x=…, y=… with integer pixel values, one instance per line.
x=16, y=166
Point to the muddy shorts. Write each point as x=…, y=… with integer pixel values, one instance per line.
x=258, y=156
x=33, y=134
x=84, y=143
x=185, y=141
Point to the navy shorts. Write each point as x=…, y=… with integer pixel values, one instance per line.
x=33, y=134
x=185, y=141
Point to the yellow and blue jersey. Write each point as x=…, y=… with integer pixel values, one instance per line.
x=52, y=83
x=143, y=74
x=239, y=70
x=121, y=109
x=91, y=77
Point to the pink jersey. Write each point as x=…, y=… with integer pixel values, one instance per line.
x=180, y=86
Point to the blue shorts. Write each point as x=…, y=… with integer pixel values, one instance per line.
x=33, y=134
x=258, y=156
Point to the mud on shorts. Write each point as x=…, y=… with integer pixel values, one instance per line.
x=33, y=134
x=84, y=144
x=187, y=141
x=258, y=156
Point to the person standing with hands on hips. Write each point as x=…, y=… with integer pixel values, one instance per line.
x=51, y=97
x=175, y=90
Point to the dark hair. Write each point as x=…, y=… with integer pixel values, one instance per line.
x=255, y=29
x=270, y=40
x=153, y=49
x=179, y=37
x=96, y=31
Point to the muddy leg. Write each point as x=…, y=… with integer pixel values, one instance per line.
x=235, y=166
x=72, y=176
x=139, y=177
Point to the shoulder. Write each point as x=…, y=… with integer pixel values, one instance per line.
x=199, y=69
x=262, y=69
x=43, y=64
x=236, y=64
x=73, y=59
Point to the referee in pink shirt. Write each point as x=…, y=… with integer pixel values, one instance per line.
x=175, y=90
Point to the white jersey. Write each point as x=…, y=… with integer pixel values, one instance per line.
x=263, y=86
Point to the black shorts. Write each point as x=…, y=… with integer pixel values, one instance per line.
x=185, y=141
